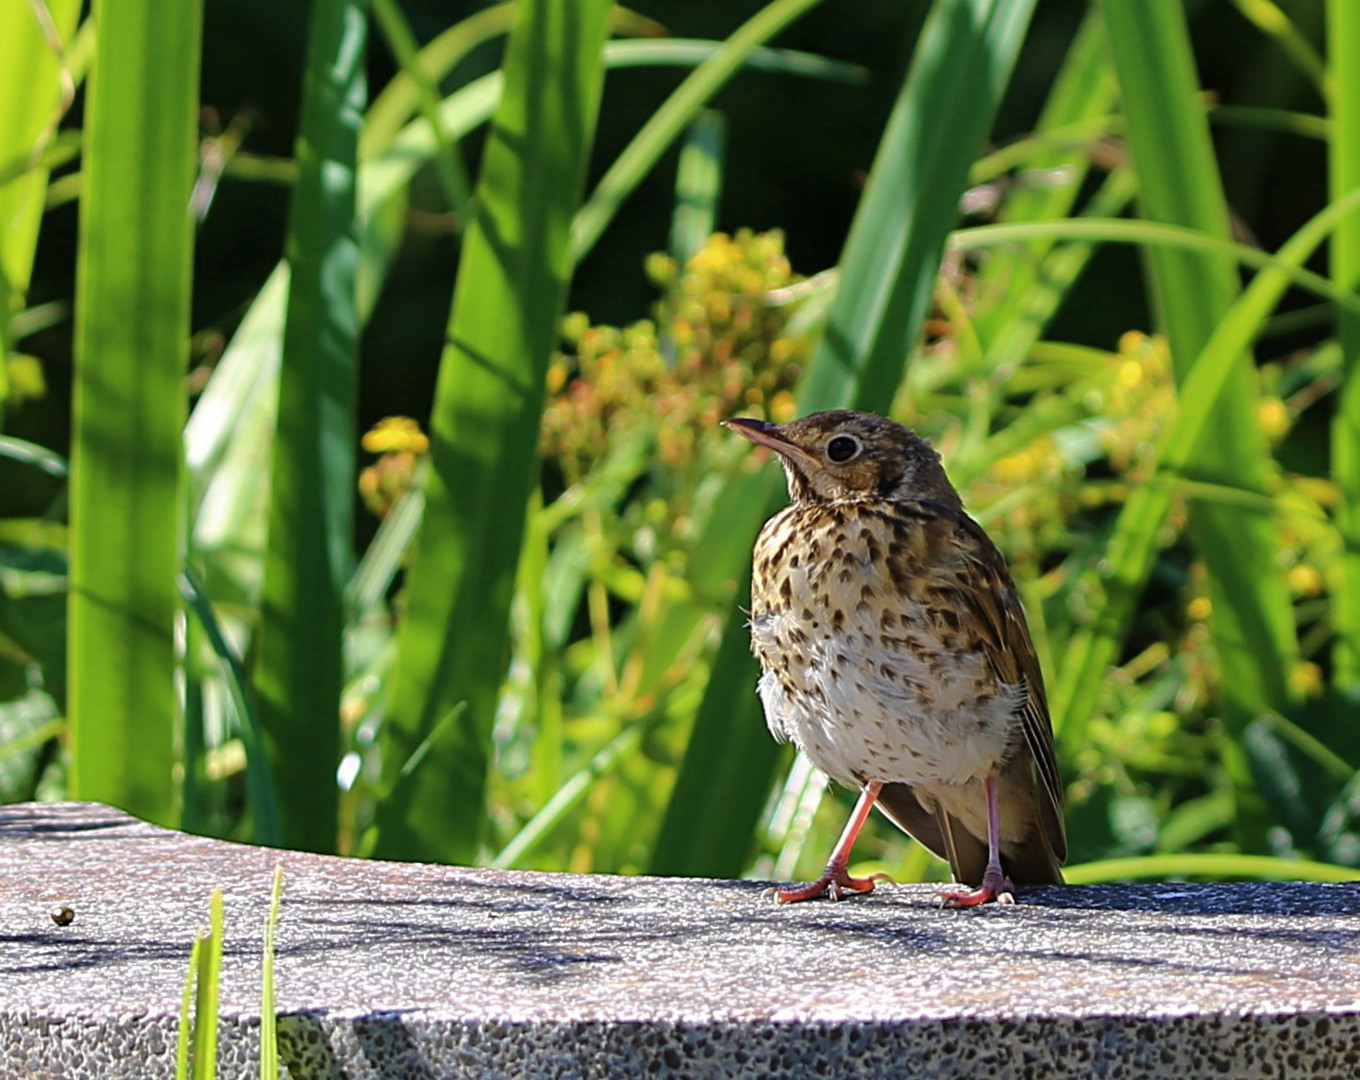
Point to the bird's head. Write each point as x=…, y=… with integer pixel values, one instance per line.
x=847, y=456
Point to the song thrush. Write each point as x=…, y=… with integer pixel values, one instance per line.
x=895, y=654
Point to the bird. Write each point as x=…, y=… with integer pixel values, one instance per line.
x=895, y=654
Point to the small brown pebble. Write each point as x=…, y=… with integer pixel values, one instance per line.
x=63, y=915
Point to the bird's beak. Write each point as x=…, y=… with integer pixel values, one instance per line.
x=769, y=435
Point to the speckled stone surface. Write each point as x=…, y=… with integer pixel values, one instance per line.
x=408, y=971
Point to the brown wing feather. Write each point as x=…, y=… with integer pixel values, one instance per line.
x=993, y=602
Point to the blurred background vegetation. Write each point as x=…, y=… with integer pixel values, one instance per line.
x=361, y=487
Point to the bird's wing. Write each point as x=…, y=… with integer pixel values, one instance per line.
x=994, y=608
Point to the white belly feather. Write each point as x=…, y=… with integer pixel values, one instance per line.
x=868, y=705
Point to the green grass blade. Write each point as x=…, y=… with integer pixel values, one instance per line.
x=962, y=62
x=698, y=185
x=710, y=821
x=185, y=1042
x=387, y=552
x=452, y=173
x=1178, y=180
x=666, y=124
x=269, y=1024
x=1152, y=234
x=1343, y=46
x=207, y=1004
x=888, y=272
x=469, y=106
x=401, y=97
x=260, y=787
x=1217, y=867
x=569, y=795
x=488, y=405
x=1271, y=20
x=132, y=333
x=34, y=89
x=40, y=457
x=308, y=560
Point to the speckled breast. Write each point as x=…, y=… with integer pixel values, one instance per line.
x=866, y=665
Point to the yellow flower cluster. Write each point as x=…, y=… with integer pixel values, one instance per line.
x=399, y=442
x=715, y=348
x=1140, y=400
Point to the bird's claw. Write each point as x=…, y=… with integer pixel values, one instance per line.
x=835, y=884
x=994, y=889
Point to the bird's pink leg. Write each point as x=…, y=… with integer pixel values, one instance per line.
x=836, y=882
x=995, y=885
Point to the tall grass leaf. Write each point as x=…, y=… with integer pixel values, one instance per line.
x=1208, y=865
x=698, y=185
x=131, y=341
x=308, y=560
x=34, y=86
x=666, y=124
x=1253, y=620
x=943, y=112
x=1343, y=48
x=962, y=64
x=1152, y=234
x=508, y=298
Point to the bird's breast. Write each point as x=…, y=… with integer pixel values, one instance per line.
x=866, y=666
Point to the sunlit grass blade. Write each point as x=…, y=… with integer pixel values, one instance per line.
x=385, y=554
x=709, y=827
x=308, y=563
x=185, y=1042
x=34, y=86
x=1209, y=866
x=1178, y=180
x=508, y=298
x=569, y=795
x=40, y=457
x=208, y=994
x=888, y=272
x=1343, y=47
x=1271, y=19
x=269, y=1025
x=132, y=334
x=1153, y=234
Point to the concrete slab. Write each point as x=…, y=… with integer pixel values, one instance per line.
x=413, y=971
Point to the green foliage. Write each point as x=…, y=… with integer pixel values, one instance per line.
x=309, y=559
x=540, y=658
x=132, y=333
x=488, y=405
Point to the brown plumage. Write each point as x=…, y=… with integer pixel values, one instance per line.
x=895, y=654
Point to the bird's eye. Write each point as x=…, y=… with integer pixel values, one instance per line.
x=842, y=448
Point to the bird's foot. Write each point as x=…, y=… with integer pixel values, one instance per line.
x=836, y=884
x=995, y=887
